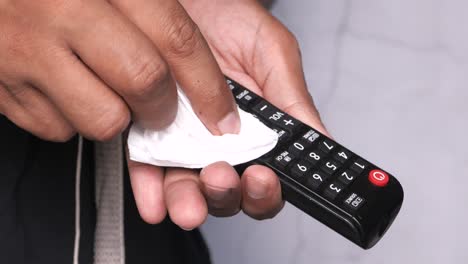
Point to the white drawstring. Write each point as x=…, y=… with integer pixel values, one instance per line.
x=79, y=157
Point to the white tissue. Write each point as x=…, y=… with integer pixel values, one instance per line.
x=187, y=143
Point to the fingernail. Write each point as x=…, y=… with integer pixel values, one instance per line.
x=256, y=189
x=217, y=194
x=187, y=229
x=230, y=124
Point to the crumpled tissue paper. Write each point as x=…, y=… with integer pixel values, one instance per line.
x=188, y=143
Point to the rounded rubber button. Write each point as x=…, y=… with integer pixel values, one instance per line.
x=378, y=178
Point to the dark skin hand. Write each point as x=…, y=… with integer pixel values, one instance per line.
x=91, y=66
x=255, y=49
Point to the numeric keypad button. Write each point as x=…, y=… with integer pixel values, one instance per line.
x=330, y=167
x=299, y=146
x=315, y=179
x=359, y=166
x=347, y=177
x=314, y=156
x=342, y=156
x=299, y=169
x=326, y=146
x=333, y=189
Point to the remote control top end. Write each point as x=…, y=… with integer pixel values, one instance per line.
x=324, y=179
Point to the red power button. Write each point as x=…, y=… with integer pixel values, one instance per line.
x=378, y=178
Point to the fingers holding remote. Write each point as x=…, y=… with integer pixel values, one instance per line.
x=184, y=199
x=188, y=196
x=188, y=55
x=284, y=83
x=261, y=193
x=127, y=61
x=221, y=186
x=148, y=189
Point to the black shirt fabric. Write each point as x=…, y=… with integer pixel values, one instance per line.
x=37, y=208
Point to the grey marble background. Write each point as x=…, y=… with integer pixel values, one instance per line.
x=390, y=79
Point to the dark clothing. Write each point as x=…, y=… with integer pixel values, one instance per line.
x=37, y=208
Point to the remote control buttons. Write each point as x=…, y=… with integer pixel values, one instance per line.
x=245, y=97
x=378, y=178
x=347, y=177
x=299, y=146
x=359, y=166
x=311, y=136
x=234, y=88
x=315, y=179
x=282, y=135
x=276, y=117
x=289, y=123
x=314, y=156
x=330, y=167
x=342, y=156
x=326, y=146
x=333, y=190
x=283, y=159
x=266, y=110
x=299, y=169
x=354, y=202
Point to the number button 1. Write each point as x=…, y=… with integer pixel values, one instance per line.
x=333, y=190
x=359, y=166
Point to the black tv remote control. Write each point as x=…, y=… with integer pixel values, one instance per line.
x=324, y=179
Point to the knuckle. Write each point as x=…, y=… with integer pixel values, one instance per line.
x=6, y=99
x=17, y=44
x=184, y=37
x=290, y=42
x=145, y=78
x=53, y=130
x=114, y=121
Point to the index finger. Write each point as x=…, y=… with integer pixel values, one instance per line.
x=191, y=61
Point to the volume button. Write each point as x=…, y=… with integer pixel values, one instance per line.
x=275, y=116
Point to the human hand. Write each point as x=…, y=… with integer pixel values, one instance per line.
x=256, y=50
x=89, y=66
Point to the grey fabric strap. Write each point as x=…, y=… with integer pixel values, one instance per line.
x=109, y=237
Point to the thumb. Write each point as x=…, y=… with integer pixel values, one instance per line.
x=283, y=82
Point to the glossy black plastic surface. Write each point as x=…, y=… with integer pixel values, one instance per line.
x=311, y=167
